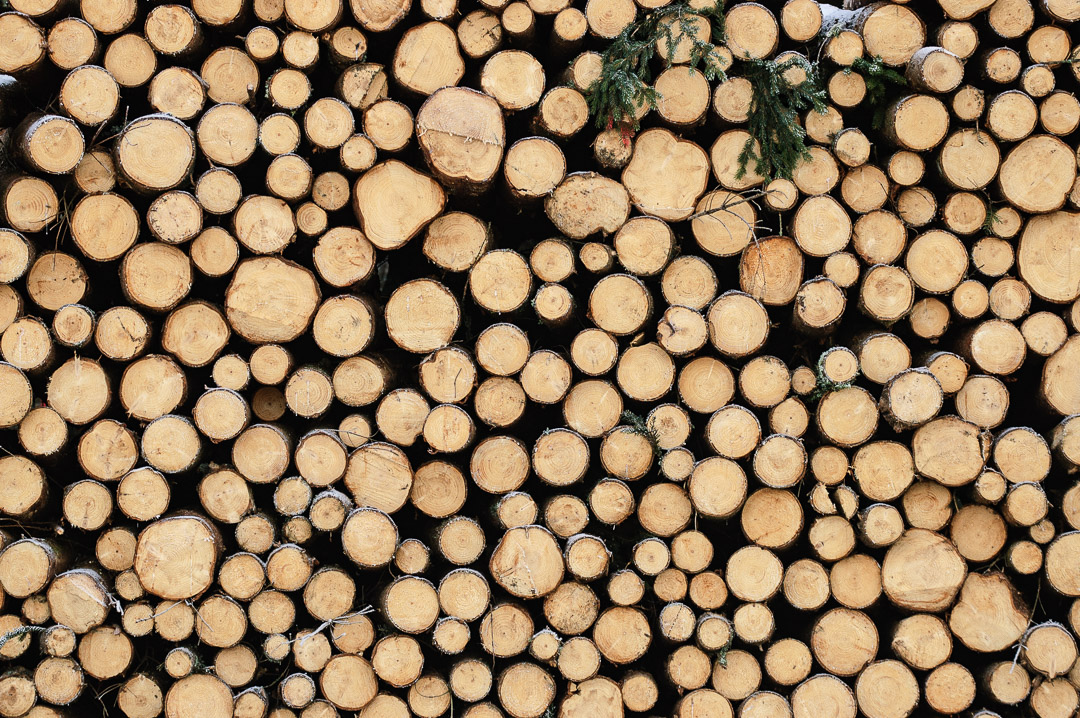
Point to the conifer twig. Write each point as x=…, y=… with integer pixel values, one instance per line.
x=625, y=76
x=880, y=80
x=777, y=140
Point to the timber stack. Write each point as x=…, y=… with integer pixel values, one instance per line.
x=539, y=358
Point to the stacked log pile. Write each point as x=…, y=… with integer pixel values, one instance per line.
x=539, y=358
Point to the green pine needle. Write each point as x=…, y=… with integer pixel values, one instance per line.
x=882, y=83
x=774, y=116
x=992, y=218
x=640, y=426
x=824, y=384
x=625, y=76
x=18, y=633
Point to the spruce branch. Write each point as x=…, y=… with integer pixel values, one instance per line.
x=721, y=655
x=992, y=218
x=640, y=426
x=18, y=633
x=777, y=140
x=881, y=84
x=623, y=87
x=824, y=384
